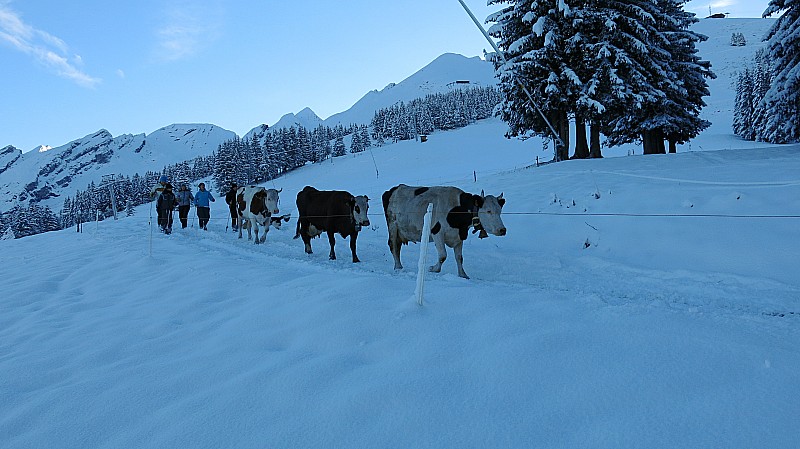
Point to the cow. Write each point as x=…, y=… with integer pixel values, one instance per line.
x=454, y=213
x=255, y=206
x=331, y=211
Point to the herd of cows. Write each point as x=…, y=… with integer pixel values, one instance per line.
x=340, y=212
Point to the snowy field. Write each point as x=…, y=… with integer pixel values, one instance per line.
x=636, y=302
x=666, y=331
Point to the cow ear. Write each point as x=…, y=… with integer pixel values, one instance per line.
x=477, y=200
x=501, y=201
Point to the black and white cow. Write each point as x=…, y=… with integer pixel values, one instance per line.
x=256, y=206
x=454, y=213
x=277, y=221
x=331, y=211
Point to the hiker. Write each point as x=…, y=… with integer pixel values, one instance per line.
x=185, y=199
x=230, y=198
x=164, y=205
x=202, y=203
x=158, y=188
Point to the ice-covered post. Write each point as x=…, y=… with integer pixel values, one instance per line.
x=423, y=253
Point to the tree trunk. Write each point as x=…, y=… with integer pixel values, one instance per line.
x=673, y=146
x=653, y=142
x=594, y=140
x=581, y=145
x=646, y=143
x=658, y=136
x=558, y=119
x=562, y=127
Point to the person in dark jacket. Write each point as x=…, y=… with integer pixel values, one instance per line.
x=202, y=202
x=164, y=205
x=158, y=188
x=185, y=199
x=230, y=198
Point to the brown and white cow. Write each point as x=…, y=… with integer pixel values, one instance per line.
x=454, y=212
x=256, y=206
x=331, y=211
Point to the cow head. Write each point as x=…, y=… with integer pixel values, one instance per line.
x=489, y=208
x=271, y=201
x=277, y=221
x=360, y=208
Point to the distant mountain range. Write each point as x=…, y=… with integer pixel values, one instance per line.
x=50, y=174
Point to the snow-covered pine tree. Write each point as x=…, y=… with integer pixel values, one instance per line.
x=762, y=79
x=363, y=131
x=355, y=143
x=782, y=100
x=663, y=76
x=8, y=234
x=538, y=40
x=339, y=148
x=686, y=93
x=743, y=109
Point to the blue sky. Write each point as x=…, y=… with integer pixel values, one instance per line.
x=72, y=68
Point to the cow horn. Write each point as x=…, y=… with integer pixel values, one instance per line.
x=280, y=190
x=501, y=196
x=482, y=195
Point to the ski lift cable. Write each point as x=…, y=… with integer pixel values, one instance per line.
x=516, y=78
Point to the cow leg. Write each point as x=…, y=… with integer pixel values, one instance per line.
x=353, y=247
x=255, y=225
x=460, y=259
x=394, y=247
x=438, y=239
x=239, y=225
x=263, y=237
x=306, y=238
x=332, y=241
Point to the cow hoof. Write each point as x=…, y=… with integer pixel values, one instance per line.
x=355, y=260
x=332, y=257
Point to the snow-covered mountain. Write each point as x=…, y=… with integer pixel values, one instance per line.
x=57, y=172
x=49, y=176
x=448, y=71
x=445, y=73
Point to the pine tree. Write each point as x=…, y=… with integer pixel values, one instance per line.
x=744, y=106
x=339, y=148
x=782, y=100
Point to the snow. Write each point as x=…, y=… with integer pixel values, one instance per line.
x=637, y=301
x=664, y=332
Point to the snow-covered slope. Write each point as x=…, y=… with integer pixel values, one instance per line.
x=664, y=319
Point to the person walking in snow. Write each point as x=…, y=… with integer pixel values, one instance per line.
x=202, y=201
x=185, y=199
x=164, y=205
x=230, y=198
x=158, y=188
